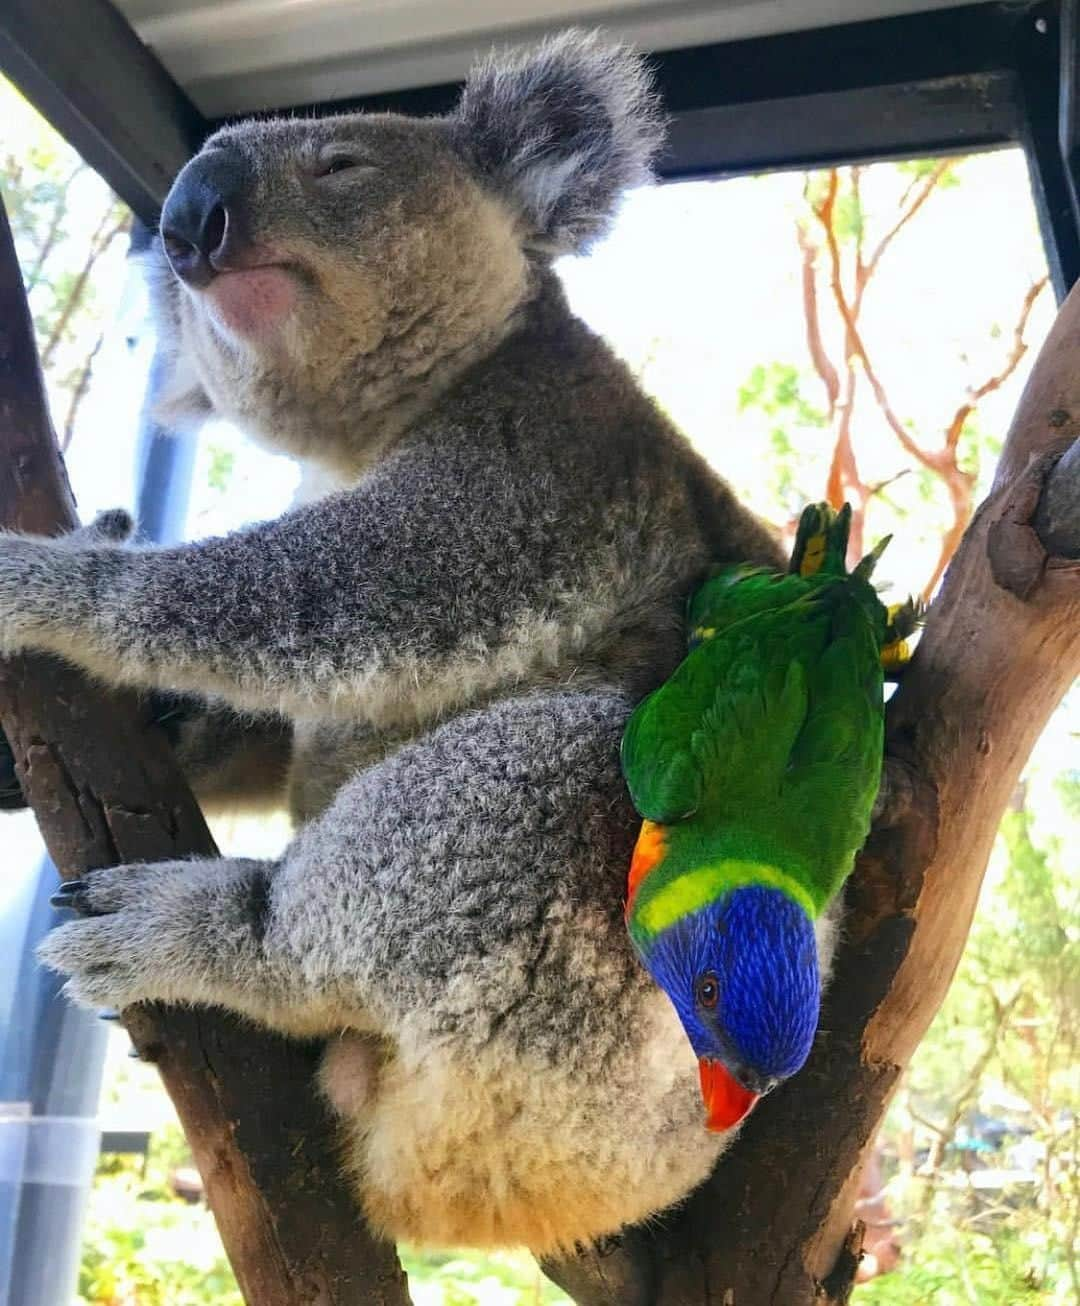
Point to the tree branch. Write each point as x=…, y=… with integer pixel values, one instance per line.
x=844, y=481
x=79, y=391
x=912, y=200
x=53, y=233
x=858, y=347
x=998, y=652
x=943, y=461
x=1012, y=362
x=105, y=790
x=823, y=364
x=103, y=237
x=959, y=483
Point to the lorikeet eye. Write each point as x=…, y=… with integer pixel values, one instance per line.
x=708, y=990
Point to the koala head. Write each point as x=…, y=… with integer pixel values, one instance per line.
x=322, y=281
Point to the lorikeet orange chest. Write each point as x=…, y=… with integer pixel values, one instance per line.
x=755, y=767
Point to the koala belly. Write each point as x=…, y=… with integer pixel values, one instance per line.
x=489, y=1151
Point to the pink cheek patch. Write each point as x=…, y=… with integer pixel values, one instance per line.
x=252, y=303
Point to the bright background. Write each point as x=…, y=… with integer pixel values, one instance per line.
x=700, y=288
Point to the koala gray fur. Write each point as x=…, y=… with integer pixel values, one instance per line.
x=456, y=636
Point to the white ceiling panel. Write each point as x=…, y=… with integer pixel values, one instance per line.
x=237, y=55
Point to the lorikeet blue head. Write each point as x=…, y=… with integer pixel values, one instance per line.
x=742, y=973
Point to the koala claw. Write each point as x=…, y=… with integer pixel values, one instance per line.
x=122, y=940
x=70, y=893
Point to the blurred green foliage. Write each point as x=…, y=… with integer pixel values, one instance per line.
x=144, y=1246
x=983, y=1140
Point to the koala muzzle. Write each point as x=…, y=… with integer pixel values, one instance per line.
x=201, y=223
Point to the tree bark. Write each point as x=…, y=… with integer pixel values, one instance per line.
x=105, y=790
x=1001, y=646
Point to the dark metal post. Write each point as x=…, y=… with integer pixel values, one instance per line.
x=1069, y=108
x=1043, y=95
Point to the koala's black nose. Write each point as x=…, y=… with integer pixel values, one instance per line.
x=201, y=214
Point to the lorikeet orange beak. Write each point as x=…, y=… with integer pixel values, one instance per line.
x=726, y=1101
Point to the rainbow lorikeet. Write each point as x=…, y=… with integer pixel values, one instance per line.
x=756, y=766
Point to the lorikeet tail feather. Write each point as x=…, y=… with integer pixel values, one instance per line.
x=821, y=541
x=864, y=568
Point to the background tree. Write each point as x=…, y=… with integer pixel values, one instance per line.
x=842, y=250
x=66, y=223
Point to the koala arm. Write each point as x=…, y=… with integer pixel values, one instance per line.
x=411, y=583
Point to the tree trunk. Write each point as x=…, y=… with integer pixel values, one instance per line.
x=773, y=1227
x=105, y=789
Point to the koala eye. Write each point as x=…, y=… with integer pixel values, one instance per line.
x=337, y=163
x=707, y=990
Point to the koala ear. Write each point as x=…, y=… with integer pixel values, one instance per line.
x=562, y=130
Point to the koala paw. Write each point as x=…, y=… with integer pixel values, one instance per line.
x=119, y=952
x=113, y=526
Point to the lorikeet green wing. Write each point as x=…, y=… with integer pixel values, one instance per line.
x=767, y=740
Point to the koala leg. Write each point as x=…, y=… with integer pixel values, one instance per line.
x=431, y=890
x=196, y=932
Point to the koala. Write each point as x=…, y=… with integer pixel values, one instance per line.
x=432, y=661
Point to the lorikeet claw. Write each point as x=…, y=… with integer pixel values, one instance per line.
x=895, y=656
x=904, y=619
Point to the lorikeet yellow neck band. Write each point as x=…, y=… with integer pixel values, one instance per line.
x=697, y=888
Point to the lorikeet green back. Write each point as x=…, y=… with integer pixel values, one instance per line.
x=755, y=767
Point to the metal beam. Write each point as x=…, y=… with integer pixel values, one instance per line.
x=81, y=65
x=903, y=121
x=1037, y=51
x=1069, y=109
x=936, y=82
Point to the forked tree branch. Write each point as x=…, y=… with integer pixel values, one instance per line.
x=108, y=229
x=943, y=461
x=823, y=364
x=105, y=789
x=912, y=200
x=1001, y=646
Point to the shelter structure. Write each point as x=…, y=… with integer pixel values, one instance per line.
x=751, y=86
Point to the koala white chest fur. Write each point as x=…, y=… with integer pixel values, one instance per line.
x=433, y=664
